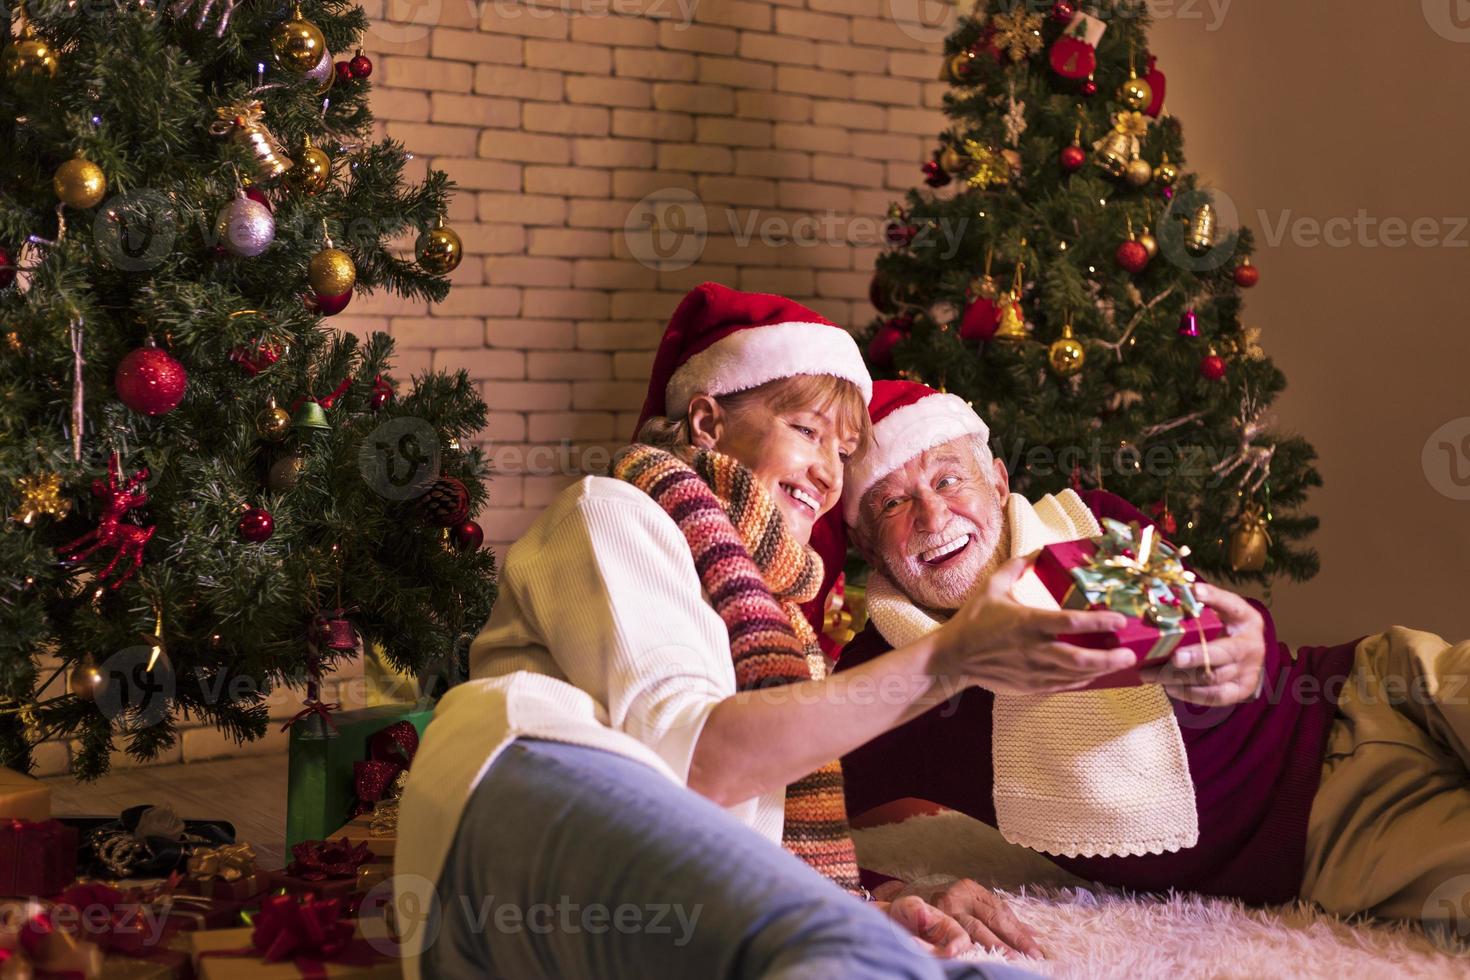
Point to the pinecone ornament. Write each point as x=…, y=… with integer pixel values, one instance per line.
x=446, y=504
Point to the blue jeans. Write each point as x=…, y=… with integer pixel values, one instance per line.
x=574, y=863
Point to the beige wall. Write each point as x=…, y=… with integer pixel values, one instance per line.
x=557, y=119
x=1312, y=111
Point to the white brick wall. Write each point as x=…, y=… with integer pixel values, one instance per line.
x=556, y=117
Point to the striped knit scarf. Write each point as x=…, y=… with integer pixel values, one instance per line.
x=756, y=576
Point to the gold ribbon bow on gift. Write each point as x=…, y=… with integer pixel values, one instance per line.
x=384, y=821
x=1134, y=584
x=229, y=862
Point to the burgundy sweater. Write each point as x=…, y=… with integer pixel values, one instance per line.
x=1255, y=767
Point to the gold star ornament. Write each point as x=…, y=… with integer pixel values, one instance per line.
x=40, y=494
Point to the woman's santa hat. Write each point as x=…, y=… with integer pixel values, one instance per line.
x=720, y=341
x=908, y=419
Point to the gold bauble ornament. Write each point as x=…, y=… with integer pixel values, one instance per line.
x=1166, y=173
x=1250, y=540
x=274, y=422
x=1201, y=235
x=312, y=171
x=80, y=183
x=29, y=61
x=285, y=472
x=439, y=249
x=1135, y=93
x=87, y=679
x=297, y=44
x=1138, y=172
x=1066, y=354
x=40, y=495
x=331, y=272
x=1150, y=243
x=957, y=69
x=952, y=160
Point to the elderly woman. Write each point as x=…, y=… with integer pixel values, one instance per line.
x=649, y=715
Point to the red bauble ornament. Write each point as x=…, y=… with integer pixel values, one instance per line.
x=880, y=294
x=1164, y=518
x=1062, y=12
x=1072, y=158
x=327, y=305
x=1156, y=82
x=900, y=234
x=258, y=196
x=1212, y=367
x=382, y=393
x=362, y=67
x=935, y=175
x=343, y=70
x=880, y=348
x=149, y=381
x=980, y=320
x=256, y=525
x=7, y=268
x=1246, y=275
x=467, y=536
x=1131, y=255
x=1089, y=87
x=1072, y=57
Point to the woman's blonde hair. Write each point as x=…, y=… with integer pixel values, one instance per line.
x=815, y=391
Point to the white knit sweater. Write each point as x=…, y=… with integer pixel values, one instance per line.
x=601, y=636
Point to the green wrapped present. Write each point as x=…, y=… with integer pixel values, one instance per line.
x=321, y=792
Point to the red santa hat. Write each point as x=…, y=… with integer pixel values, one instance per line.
x=908, y=419
x=721, y=341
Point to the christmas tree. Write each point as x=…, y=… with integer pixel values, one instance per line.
x=1073, y=280
x=211, y=491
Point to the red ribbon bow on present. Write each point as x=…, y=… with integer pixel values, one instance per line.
x=390, y=752
x=318, y=860
x=310, y=933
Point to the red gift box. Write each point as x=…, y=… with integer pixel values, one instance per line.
x=1151, y=644
x=36, y=857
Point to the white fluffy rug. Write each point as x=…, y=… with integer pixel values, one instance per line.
x=1096, y=932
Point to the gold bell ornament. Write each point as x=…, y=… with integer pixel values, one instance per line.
x=1113, y=153
x=1201, y=236
x=439, y=249
x=1066, y=354
x=297, y=44
x=79, y=183
x=1012, y=319
x=244, y=121
x=1249, y=540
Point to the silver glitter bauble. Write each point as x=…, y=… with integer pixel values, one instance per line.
x=245, y=227
x=324, y=74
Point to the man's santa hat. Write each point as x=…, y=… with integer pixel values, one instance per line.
x=720, y=341
x=908, y=419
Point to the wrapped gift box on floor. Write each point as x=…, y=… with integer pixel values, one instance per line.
x=293, y=939
x=321, y=782
x=36, y=857
x=1126, y=570
x=359, y=830
x=23, y=797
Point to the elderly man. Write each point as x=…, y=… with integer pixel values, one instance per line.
x=1335, y=774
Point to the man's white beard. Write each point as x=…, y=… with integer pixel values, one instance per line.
x=948, y=587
